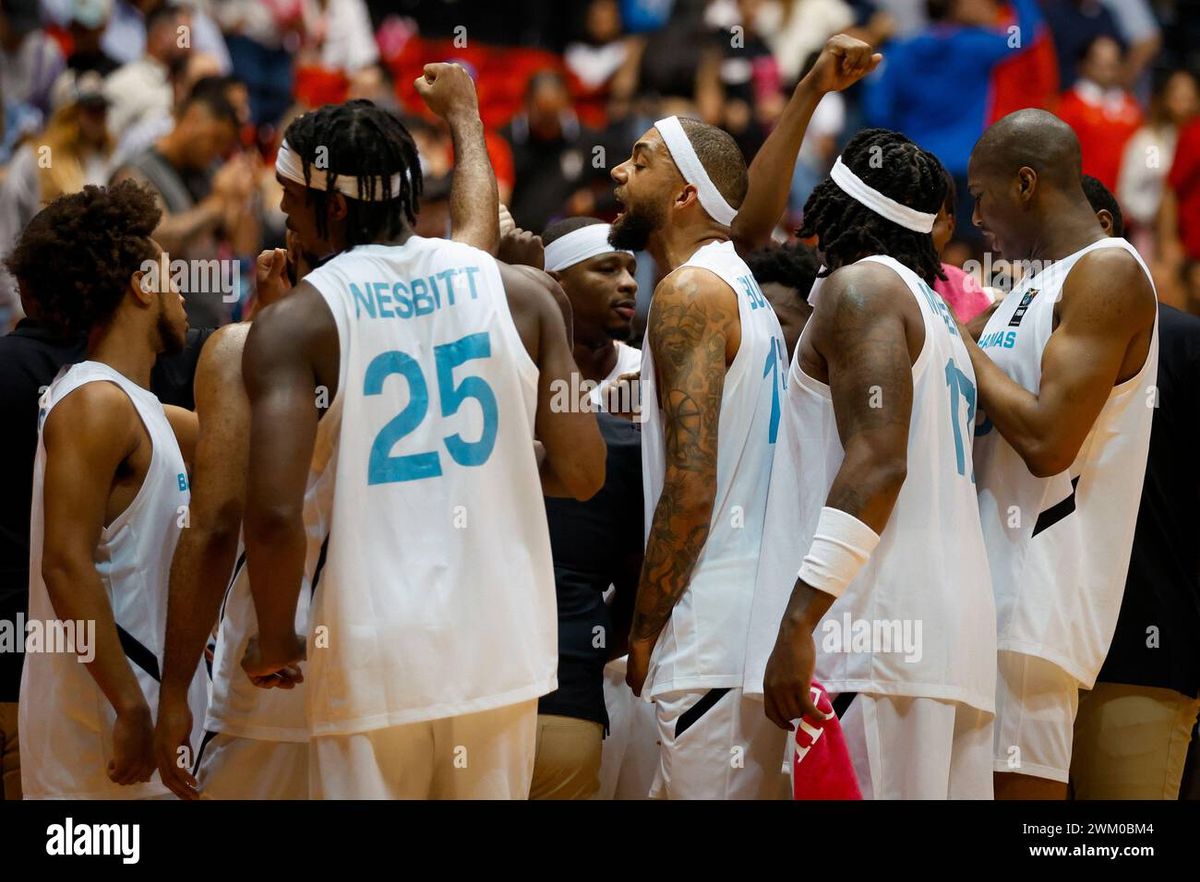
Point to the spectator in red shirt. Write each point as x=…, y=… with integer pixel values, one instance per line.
x=1102, y=112
x=1026, y=80
x=1179, y=215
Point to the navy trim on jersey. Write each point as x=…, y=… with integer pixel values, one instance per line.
x=1056, y=512
x=138, y=654
x=208, y=736
x=842, y=703
x=699, y=709
x=237, y=571
x=320, y=565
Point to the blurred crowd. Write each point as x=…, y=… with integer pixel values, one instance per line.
x=191, y=96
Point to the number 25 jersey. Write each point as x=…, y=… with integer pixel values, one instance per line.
x=436, y=598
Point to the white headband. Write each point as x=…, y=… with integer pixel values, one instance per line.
x=290, y=166
x=693, y=172
x=884, y=206
x=578, y=245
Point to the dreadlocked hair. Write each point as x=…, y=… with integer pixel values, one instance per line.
x=849, y=231
x=370, y=144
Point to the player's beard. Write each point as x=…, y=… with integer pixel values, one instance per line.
x=633, y=230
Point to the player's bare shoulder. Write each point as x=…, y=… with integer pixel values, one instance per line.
x=860, y=305
x=296, y=332
x=221, y=358
x=101, y=410
x=866, y=284
x=533, y=298
x=1111, y=280
x=1108, y=295
x=690, y=304
x=697, y=287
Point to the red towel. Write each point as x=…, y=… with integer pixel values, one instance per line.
x=821, y=767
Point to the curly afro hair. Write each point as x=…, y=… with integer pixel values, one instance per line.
x=849, y=231
x=75, y=259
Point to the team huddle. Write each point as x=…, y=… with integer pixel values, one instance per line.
x=928, y=533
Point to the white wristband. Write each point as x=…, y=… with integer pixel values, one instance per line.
x=839, y=549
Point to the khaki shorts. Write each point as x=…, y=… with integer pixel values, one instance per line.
x=567, y=763
x=1131, y=742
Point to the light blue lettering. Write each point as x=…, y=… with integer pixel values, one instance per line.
x=362, y=301
x=383, y=298
x=404, y=307
x=447, y=276
x=421, y=296
x=471, y=271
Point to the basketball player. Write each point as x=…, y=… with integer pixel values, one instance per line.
x=713, y=351
x=596, y=545
x=432, y=623
x=256, y=743
x=1066, y=374
x=599, y=282
x=110, y=497
x=710, y=333
x=872, y=474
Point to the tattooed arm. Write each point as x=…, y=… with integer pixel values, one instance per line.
x=867, y=333
x=693, y=326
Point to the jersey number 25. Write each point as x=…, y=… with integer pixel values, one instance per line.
x=382, y=467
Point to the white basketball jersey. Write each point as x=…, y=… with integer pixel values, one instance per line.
x=236, y=706
x=703, y=644
x=437, y=596
x=65, y=721
x=1059, y=547
x=917, y=620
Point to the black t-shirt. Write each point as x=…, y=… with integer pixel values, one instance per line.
x=548, y=172
x=595, y=544
x=30, y=359
x=1157, y=639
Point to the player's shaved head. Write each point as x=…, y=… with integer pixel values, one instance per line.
x=1025, y=176
x=1033, y=139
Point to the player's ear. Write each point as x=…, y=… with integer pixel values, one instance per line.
x=337, y=206
x=144, y=284
x=689, y=192
x=1106, y=220
x=1026, y=183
